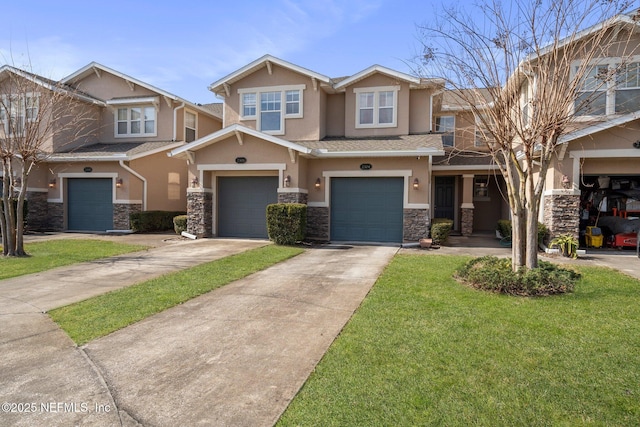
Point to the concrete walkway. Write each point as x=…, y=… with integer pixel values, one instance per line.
x=235, y=356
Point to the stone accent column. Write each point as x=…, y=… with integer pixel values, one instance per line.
x=318, y=223
x=55, y=220
x=562, y=213
x=293, y=197
x=466, y=223
x=415, y=224
x=200, y=212
x=122, y=213
x=37, y=213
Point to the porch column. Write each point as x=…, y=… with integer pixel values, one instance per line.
x=200, y=212
x=466, y=209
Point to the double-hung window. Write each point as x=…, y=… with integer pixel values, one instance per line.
x=376, y=107
x=270, y=106
x=136, y=121
x=447, y=126
x=17, y=111
x=628, y=89
x=592, y=97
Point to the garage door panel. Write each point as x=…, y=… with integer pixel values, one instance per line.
x=242, y=204
x=89, y=204
x=367, y=209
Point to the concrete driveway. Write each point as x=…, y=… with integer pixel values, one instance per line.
x=235, y=356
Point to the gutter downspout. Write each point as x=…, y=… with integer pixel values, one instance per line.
x=144, y=183
x=175, y=120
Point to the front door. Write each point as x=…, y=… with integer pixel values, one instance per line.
x=444, y=197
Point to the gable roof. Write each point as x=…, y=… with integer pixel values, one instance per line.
x=96, y=68
x=234, y=129
x=218, y=87
x=49, y=84
x=415, y=82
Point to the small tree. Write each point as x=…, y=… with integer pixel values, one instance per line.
x=526, y=70
x=34, y=111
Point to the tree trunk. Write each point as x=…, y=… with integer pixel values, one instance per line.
x=9, y=236
x=20, y=215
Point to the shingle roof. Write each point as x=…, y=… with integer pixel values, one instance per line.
x=214, y=108
x=431, y=141
x=116, y=150
x=464, y=158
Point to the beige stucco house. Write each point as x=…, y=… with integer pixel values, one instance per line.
x=91, y=179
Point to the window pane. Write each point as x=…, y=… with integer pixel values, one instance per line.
x=627, y=101
x=366, y=116
x=122, y=114
x=594, y=78
x=270, y=121
x=189, y=135
x=293, y=102
x=386, y=99
x=591, y=104
x=149, y=126
x=249, y=104
x=122, y=128
x=447, y=140
x=366, y=100
x=190, y=120
x=135, y=127
x=136, y=114
x=385, y=115
x=270, y=101
x=629, y=77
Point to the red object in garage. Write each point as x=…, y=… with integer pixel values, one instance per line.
x=626, y=239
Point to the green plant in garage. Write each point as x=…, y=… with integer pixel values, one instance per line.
x=286, y=222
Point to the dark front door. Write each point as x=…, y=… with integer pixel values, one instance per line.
x=444, y=197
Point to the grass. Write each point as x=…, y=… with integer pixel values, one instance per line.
x=57, y=253
x=99, y=316
x=425, y=350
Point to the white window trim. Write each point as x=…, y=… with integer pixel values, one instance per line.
x=453, y=132
x=23, y=107
x=609, y=89
x=128, y=107
x=376, y=107
x=283, y=104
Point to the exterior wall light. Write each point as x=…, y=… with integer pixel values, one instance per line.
x=52, y=183
x=566, y=183
x=119, y=183
x=194, y=182
x=318, y=182
x=287, y=181
x=416, y=184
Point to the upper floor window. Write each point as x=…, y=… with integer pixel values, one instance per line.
x=18, y=110
x=376, y=107
x=610, y=86
x=447, y=126
x=136, y=121
x=189, y=126
x=270, y=106
x=482, y=136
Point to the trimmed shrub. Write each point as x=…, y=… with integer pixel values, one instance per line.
x=180, y=223
x=149, y=221
x=494, y=274
x=286, y=222
x=440, y=229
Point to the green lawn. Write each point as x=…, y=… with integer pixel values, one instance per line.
x=99, y=316
x=425, y=350
x=60, y=252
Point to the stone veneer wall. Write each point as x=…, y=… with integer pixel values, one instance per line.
x=200, y=213
x=466, y=226
x=55, y=220
x=293, y=198
x=318, y=223
x=415, y=224
x=38, y=211
x=562, y=214
x=121, y=215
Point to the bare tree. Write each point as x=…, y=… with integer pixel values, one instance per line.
x=34, y=113
x=526, y=70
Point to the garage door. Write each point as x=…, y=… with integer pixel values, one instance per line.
x=366, y=209
x=242, y=205
x=90, y=204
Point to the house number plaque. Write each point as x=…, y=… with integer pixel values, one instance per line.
x=241, y=160
x=366, y=166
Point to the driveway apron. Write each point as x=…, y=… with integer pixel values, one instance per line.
x=45, y=379
x=238, y=355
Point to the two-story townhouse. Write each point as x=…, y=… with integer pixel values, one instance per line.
x=94, y=179
x=357, y=150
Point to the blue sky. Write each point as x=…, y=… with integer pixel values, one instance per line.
x=182, y=47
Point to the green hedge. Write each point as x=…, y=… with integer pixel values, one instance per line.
x=505, y=228
x=149, y=221
x=180, y=223
x=286, y=222
x=440, y=229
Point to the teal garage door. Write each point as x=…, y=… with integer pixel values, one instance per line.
x=89, y=204
x=242, y=205
x=367, y=209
